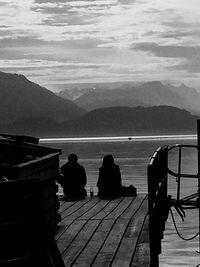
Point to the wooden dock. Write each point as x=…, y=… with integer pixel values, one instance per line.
x=104, y=232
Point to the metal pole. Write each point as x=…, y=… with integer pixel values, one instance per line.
x=198, y=144
x=179, y=175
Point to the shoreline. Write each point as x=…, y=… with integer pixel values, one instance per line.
x=119, y=138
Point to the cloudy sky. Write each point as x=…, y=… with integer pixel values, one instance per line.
x=53, y=42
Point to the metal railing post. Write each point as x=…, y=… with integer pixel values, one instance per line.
x=198, y=145
x=179, y=176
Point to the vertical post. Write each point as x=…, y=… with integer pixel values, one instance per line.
x=198, y=144
x=179, y=175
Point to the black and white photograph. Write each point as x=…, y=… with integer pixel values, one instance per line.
x=100, y=133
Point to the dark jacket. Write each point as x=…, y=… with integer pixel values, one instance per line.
x=74, y=179
x=109, y=181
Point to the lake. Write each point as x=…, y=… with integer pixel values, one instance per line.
x=132, y=155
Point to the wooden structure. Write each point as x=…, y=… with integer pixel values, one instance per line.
x=22, y=159
x=158, y=201
x=104, y=232
x=25, y=237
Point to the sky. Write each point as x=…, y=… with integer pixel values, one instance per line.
x=55, y=42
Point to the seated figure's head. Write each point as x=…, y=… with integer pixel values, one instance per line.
x=73, y=158
x=108, y=160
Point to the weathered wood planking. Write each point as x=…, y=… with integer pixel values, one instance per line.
x=104, y=232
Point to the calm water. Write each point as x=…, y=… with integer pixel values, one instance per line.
x=133, y=156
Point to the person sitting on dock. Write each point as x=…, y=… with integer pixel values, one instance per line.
x=109, y=181
x=74, y=178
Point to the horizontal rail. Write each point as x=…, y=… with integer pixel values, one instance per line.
x=179, y=174
x=182, y=175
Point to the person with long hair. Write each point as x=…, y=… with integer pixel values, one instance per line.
x=109, y=180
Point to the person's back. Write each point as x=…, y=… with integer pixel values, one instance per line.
x=74, y=179
x=109, y=182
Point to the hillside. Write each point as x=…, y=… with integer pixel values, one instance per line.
x=21, y=98
x=129, y=121
x=190, y=94
x=111, y=122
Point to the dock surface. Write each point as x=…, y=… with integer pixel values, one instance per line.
x=104, y=232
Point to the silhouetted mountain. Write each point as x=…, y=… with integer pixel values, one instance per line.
x=20, y=98
x=191, y=96
x=129, y=121
x=110, y=121
x=146, y=94
x=35, y=126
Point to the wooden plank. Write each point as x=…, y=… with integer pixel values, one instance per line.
x=65, y=205
x=80, y=242
x=104, y=232
x=133, y=207
x=82, y=210
x=124, y=254
x=30, y=168
x=142, y=253
x=95, y=209
x=91, y=250
x=123, y=205
x=107, y=252
x=75, y=207
x=69, y=235
x=68, y=207
x=61, y=200
x=61, y=228
x=43, y=175
x=108, y=209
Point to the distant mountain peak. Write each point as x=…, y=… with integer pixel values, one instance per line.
x=20, y=98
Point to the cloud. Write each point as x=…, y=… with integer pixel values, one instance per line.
x=49, y=1
x=169, y=50
x=20, y=41
x=190, y=55
x=31, y=64
x=93, y=39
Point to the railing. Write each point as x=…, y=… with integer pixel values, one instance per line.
x=158, y=201
x=186, y=201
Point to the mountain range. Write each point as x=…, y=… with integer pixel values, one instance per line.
x=111, y=121
x=27, y=108
x=142, y=94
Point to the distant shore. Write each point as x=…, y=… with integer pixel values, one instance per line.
x=119, y=138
